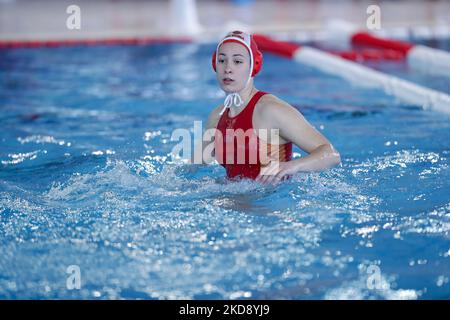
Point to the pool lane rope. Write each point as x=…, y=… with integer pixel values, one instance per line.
x=419, y=57
x=360, y=75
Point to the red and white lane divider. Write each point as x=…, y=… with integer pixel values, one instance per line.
x=404, y=90
x=419, y=57
x=368, y=55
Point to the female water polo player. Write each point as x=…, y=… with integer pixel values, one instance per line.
x=253, y=130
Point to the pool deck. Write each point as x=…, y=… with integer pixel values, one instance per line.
x=109, y=19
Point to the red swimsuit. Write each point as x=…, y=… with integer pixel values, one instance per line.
x=243, y=159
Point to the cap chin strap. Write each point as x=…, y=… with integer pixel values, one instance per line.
x=233, y=100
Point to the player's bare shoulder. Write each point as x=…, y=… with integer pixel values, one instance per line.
x=270, y=104
x=214, y=116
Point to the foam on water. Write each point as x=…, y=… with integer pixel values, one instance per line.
x=140, y=225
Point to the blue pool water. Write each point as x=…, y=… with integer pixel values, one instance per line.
x=86, y=180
